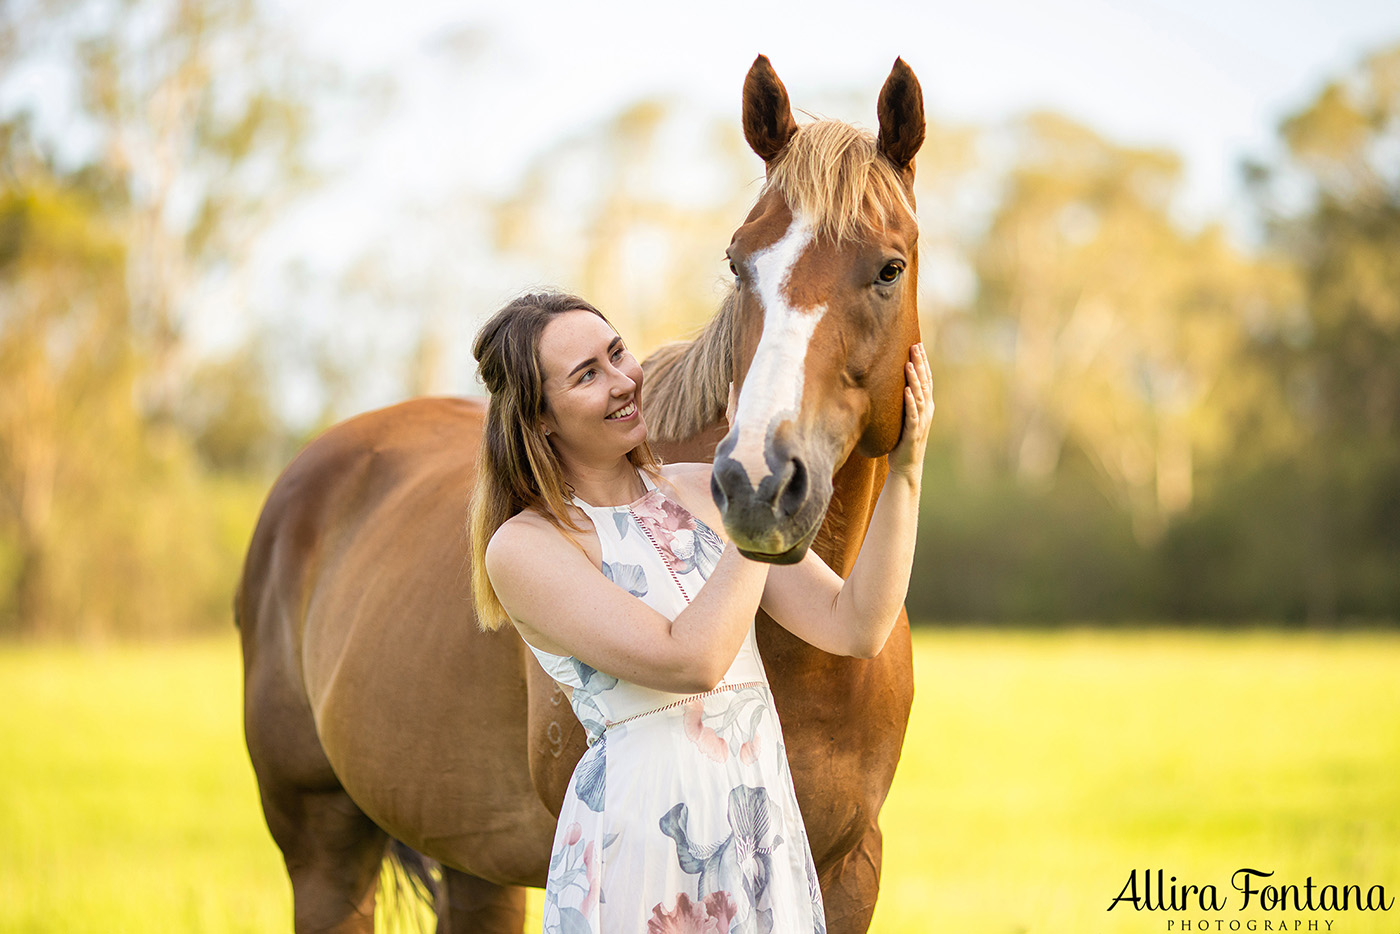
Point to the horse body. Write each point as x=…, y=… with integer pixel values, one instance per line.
x=375, y=707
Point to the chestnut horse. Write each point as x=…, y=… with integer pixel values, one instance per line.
x=376, y=710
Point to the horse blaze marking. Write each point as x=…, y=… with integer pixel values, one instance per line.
x=773, y=388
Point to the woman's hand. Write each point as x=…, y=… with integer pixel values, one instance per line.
x=908, y=455
x=855, y=616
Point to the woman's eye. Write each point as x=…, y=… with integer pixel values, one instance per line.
x=585, y=376
x=891, y=272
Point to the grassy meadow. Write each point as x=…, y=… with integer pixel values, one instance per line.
x=1039, y=770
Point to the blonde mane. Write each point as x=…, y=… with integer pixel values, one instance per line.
x=833, y=174
x=687, y=382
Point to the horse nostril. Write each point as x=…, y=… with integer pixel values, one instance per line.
x=729, y=482
x=717, y=492
x=794, y=491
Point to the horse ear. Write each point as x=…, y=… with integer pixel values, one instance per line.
x=901, y=111
x=768, y=123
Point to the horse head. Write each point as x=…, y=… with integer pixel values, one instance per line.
x=825, y=277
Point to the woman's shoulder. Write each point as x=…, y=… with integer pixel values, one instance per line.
x=528, y=529
x=686, y=482
x=687, y=477
x=521, y=533
x=526, y=523
x=531, y=535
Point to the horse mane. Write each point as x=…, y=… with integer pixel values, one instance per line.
x=833, y=174
x=688, y=381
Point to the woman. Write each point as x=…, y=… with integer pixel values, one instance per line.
x=681, y=814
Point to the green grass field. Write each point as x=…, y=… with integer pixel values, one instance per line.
x=1039, y=770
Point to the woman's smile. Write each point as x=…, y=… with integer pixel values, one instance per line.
x=624, y=413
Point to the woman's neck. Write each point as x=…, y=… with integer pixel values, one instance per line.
x=613, y=485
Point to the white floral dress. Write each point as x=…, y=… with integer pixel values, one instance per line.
x=681, y=815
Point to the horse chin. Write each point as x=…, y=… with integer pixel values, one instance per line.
x=784, y=545
x=793, y=555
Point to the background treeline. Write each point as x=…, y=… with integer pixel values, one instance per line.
x=1140, y=418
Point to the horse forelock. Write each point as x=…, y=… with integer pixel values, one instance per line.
x=833, y=175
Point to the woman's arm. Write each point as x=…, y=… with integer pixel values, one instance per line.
x=561, y=603
x=855, y=617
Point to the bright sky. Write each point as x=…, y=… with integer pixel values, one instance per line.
x=1207, y=78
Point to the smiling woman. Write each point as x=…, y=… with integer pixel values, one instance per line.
x=683, y=809
x=519, y=468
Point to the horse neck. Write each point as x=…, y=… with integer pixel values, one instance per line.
x=855, y=488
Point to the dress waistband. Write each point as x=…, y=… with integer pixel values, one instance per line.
x=685, y=700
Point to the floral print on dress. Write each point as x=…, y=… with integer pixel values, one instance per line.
x=710, y=915
x=685, y=543
x=590, y=775
x=742, y=861
x=588, y=684
x=728, y=725
x=630, y=577
x=575, y=878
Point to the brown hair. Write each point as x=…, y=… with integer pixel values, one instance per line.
x=517, y=467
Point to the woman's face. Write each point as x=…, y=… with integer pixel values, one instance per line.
x=593, y=389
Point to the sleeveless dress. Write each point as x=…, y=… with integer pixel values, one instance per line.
x=681, y=815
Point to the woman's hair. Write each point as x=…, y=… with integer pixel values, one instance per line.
x=517, y=467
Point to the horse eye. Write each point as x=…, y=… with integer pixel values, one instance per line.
x=733, y=270
x=891, y=272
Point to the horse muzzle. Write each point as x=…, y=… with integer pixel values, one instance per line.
x=776, y=519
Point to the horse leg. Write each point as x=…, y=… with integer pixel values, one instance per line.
x=333, y=854
x=849, y=887
x=332, y=850
x=468, y=905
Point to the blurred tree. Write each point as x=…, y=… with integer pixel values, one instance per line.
x=129, y=466
x=108, y=526
x=198, y=115
x=65, y=359
x=1104, y=326
x=643, y=237
x=1332, y=202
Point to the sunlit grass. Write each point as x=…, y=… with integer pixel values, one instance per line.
x=126, y=799
x=1039, y=770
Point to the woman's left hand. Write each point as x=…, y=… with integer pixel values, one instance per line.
x=908, y=454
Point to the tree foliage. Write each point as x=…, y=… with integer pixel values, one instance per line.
x=126, y=459
x=1137, y=420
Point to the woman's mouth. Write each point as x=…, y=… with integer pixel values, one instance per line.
x=627, y=411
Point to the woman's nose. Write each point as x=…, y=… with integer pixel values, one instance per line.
x=622, y=384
